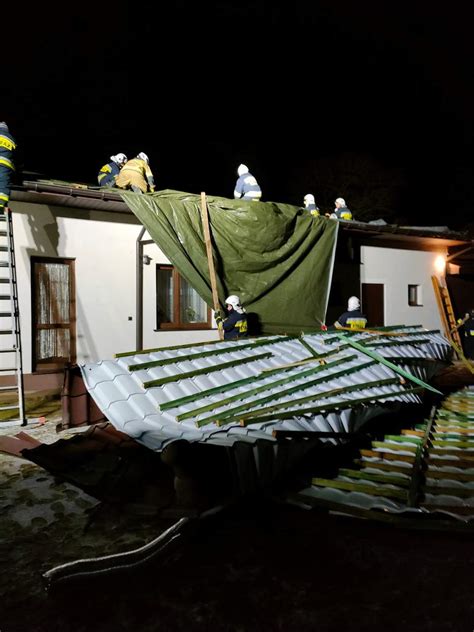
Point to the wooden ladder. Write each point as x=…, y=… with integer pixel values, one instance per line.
x=10, y=338
x=446, y=311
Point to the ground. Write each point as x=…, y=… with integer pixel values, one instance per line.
x=258, y=566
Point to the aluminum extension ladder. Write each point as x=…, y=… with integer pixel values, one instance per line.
x=10, y=338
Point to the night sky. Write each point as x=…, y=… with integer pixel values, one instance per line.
x=372, y=101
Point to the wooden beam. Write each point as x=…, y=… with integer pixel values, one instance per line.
x=210, y=259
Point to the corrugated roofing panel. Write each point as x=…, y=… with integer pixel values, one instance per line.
x=278, y=377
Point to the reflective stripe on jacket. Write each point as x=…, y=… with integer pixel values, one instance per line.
x=7, y=147
x=108, y=174
x=247, y=188
x=235, y=326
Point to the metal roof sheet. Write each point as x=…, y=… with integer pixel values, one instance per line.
x=243, y=390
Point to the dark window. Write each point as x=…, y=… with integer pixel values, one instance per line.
x=178, y=305
x=414, y=295
x=54, y=313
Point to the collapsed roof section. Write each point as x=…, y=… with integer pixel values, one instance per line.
x=246, y=390
x=424, y=471
x=276, y=257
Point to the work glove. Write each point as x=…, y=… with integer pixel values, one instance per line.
x=152, y=189
x=218, y=317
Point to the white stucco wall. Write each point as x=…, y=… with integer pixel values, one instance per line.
x=103, y=246
x=397, y=269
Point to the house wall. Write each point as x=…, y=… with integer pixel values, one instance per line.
x=396, y=269
x=103, y=246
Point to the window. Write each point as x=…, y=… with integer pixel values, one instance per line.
x=178, y=305
x=54, y=313
x=414, y=296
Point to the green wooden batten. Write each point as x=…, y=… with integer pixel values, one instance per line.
x=450, y=443
x=404, y=439
x=402, y=342
x=258, y=342
x=371, y=490
x=403, y=336
x=397, y=447
x=203, y=354
x=452, y=434
x=311, y=410
x=462, y=492
x=188, y=345
x=391, y=365
x=264, y=387
x=269, y=398
x=224, y=418
x=209, y=369
x=307, y=346
x=402, y=481
x=180, y=401
x=332, y=334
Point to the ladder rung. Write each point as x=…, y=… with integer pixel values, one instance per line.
x=9, y=407
x=13, y=387
x=10, y=350
x=10, y=369
x=5, y=297
x=4, y=264
x=3, y=233
x=4, y=248
x=5, y=314
x=4, y=332
x=3, y=280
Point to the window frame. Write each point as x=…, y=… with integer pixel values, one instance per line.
x=418, y=295
x=54, y=364
x=176, y=324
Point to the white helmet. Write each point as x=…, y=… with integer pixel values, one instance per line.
x=3, y=124
x=353, y=303
x=242, y=169
x=119, y=159
x=143, y=156
x=341, y=201
x=309, y=198
x=234, y=300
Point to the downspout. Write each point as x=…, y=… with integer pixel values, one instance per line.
x=331, y=271
x=139, y=291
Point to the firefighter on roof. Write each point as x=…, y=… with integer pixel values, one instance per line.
x=310, y=204
x=246, y=186
x=137, y=175
x=109, y=172
x=341, y=211
x=7, y=147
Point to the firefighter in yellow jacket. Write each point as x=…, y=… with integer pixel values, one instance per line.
x=7, y=147
x=136, y=175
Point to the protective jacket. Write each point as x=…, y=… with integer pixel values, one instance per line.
x=313, y=209
x=134, y=173
x=108, y=174
x=343, y=213
x=235, y=326
x=247, y=188
x=354, y=319
x=7, y=147
x=468, y=341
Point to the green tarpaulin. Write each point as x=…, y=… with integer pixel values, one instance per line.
x=276, y=257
